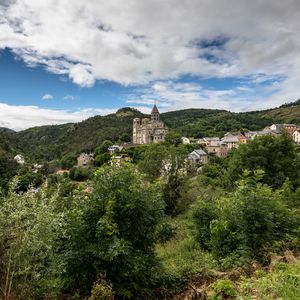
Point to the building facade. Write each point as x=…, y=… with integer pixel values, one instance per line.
x=148, y=131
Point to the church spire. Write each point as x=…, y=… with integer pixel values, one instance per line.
x=155, y=113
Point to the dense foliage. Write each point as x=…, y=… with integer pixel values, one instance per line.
x=278, y=157
x=248, y=223
x=152, y=225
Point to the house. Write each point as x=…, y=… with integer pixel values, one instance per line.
x=217, y=148
x=296, y=136
x=115, y=149
x=198, y=156
x=207, y=140
x=185, y=140
x=231, y=140
x=277, y=128
x=37, y=167
x=84, y=159
x=19, y=158
x=290, y=129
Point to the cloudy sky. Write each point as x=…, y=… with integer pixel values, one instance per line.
x=63, y=60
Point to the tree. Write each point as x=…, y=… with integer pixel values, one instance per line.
x=173, y=138
x=68, y=161
x=277, y=156
x=103, y=148
x=30, y=227
x=117, y=233
x=101, y=159
x=8, y=169
x=151, y=161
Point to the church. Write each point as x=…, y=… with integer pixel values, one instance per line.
x=146, y=131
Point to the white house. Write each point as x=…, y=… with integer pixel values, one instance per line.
x=20, y=159
x=296, y=136
x=185, y=140
x=115, y=149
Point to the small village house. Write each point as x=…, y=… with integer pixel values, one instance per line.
x=296, y=136
x=198, y=156
x=84, y=160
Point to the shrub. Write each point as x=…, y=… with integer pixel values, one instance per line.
x=247, y=223
x=222, y=288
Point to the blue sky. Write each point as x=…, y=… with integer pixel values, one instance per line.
x=66, y=61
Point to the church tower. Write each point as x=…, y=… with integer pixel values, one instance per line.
x=155, y=114
x=146, y=131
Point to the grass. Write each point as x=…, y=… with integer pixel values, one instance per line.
x=282, y=282
x=181, y=257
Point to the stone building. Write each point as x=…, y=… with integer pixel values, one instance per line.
x=147, y=131
x=84, y=160
x=199, y=157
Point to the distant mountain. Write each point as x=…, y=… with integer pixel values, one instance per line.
x=51, y=142
x=6, y=130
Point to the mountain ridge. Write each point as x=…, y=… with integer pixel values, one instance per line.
x=50, y=142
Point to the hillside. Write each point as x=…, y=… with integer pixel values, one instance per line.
x=51, y=142
x=8, y=143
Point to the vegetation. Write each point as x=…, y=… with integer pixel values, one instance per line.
x=150, y=226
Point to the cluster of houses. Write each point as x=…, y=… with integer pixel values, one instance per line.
x=214, y=146
x=220, y=147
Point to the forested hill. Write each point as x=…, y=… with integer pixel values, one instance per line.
x=51, y=142
x=8, y=143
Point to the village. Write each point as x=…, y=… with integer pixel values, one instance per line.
x=153, y=131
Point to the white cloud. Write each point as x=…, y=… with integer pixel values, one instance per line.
x=47, y=97
x=174, y=96
x=137, y=42
x=81, y=76
x=71, y=97
x=22, y=117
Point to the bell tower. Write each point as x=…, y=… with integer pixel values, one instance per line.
x=154, y=114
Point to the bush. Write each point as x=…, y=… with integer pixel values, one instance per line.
x=80, y=173
x=222, y=288
x=246, y=224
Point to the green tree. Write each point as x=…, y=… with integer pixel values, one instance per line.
x=101, y=159
x=68, y=161
x=30, y=228
x=80, y=173
x=103, y=148
x=173, y=138
x=151, y=161
x=116, y=234
x=277, y=156
x=8, y=169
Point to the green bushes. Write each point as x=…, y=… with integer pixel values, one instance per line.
x=30, y=227
x=247, y=224
x=81, y=173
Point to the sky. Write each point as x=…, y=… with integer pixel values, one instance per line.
x=64, y=61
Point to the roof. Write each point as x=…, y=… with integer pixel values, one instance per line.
x=154, y=110
x=230, y=139
x=200, y=152
x=211, y=139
